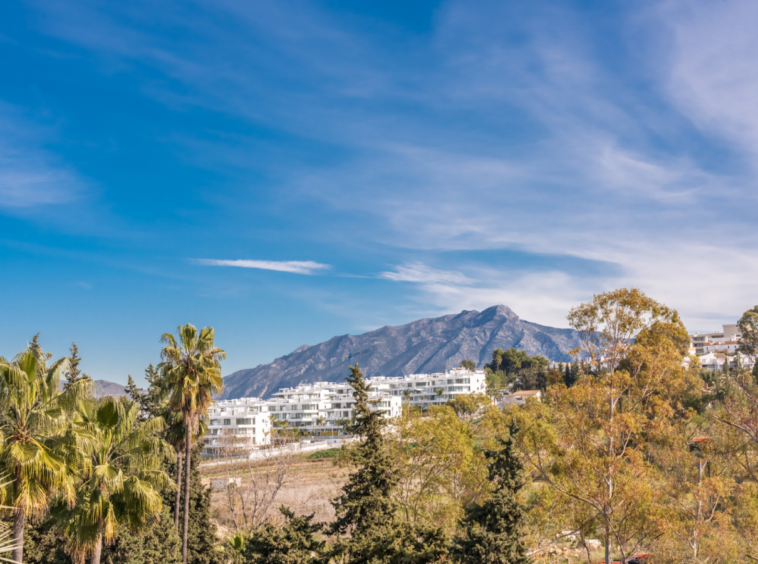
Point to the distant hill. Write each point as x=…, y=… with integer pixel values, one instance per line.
x=423, y=346
x=105, y=388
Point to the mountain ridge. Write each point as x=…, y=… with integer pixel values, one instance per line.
x=422, y=346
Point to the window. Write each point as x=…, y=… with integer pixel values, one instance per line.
x=214, y=421
x=227, y=421
x=244, y=421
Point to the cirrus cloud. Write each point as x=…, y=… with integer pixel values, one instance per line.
x=294, y=266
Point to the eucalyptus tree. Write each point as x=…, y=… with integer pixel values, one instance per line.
x=33, y=421
x=191, y=372
x=122, y=472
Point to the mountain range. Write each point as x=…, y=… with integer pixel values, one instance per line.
x=105, y=388
x=423, y=346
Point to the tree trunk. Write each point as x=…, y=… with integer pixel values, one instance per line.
x=96, y=553
x=188, y=462
x=19, y=518
x=178, y=489
x=607, y=546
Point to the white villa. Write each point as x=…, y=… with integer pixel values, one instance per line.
x=714, y=349
x=725, y=341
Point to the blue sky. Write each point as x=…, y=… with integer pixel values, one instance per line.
x=290, y=171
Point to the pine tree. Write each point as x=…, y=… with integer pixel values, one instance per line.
x=494, y=528
x=755, y=372
x=202, y=543
x=292, y=543
x=366, y=499
x=132, y=391
x=567, y=376
x=576, y=372
x=366, y=511
x=44, y=543
x=159, y=544
x=73, y=374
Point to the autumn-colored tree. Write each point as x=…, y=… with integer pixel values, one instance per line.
x=696, y=488
x=468, y=405
x=588, y=441
x=440, y=468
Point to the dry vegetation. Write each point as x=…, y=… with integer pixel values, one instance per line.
x=308, y=487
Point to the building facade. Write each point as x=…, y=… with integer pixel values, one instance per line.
x=322, y=408
x=715, y=349
x=725, y=341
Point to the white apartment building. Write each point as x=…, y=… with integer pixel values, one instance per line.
x=424, y=390
x=321, y=408
x=244, y=422
x=715, y=361
x=725, y=341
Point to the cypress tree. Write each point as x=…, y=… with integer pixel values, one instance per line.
x=576, y=372
x=292, y=543
x=494, y=528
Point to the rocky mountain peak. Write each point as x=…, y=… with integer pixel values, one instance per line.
x=422, y=346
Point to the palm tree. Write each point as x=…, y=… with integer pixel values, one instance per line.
x=174, y=435
x=32, y=430
x=192, y=373
x=121, y=461
x=440, y=392
x=407, y=396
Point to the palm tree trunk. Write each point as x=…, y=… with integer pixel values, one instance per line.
x=178, y=489
x=188, y=462
x=19, y=517
x=97, y=552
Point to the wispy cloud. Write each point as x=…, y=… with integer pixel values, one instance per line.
x=568, y=140
x=423, y=274
x=31, y=176
x=712, y=75
x=293, y=266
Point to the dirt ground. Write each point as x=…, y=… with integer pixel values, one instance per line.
x=308, y=488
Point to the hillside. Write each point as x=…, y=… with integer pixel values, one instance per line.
x=103, y=388
x=423, y=346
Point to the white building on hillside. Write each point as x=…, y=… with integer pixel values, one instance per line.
x=321, y=408
x=719, y=341
x=424, y=390
x=714, y=349
x=239, y=423
x=715, y=361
